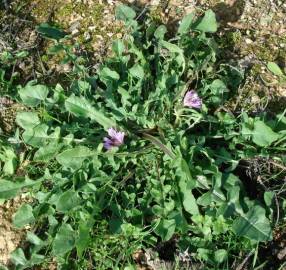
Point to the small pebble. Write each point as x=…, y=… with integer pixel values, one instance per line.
x=87, y=36
x=75, y=32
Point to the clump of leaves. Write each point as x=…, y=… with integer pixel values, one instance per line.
x=168, y=170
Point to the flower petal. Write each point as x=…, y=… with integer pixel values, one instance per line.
x=112, y=132
x=108, y=144
x=192, y=99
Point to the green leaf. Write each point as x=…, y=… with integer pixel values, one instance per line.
x=124, y=13
x=125, y=96
x=166, y=229
x=268, y=198
x=159, y=144
x=36, y=136
x=205, y=199
x=158, y=210
x=81, y=107
x=2, y=267
x=10, y=161
x=186, y=23
x=160, y=32
x=204, y=254
x=18, y=257
x=106, y=74
x=34, y=239
x=73, y=158
x=51, y=32
x=67, y=201
x=36, y=259
x=171, y=47
x=78, y=106
x=80, y=86
x=23, y=216
x=208, y=23
x=64, y=240
x=232, y=205
x=275, y=69
x=263, y=135
x=83, y=239
x=218, y=87
x=9, y=189
x=33, y=95
x=27, y=120
x=189, y=201
x=254, y=225
x=118, y=47
x=137, y=71
x=220, y=255
x=187, y=174
x=47, y=152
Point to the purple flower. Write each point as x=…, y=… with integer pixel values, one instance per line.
x=192, y=99
x=116, y=138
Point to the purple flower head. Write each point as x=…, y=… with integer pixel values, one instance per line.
x=192, y=99
x=116, y=138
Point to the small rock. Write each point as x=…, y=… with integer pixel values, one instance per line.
x=75, y=32
x=255, y=99
x=75, y=25
x=99, y=37
x=91, y=28
x=155, y=2
x=119, y=35
x=87, y=36
x=282, y=254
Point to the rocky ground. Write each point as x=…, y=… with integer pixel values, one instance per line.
x=252, y=32
x=10, y=237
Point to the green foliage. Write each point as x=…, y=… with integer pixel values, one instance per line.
x=32, y=95
x=51, y=32
x=125, y=13
x=64, y=240
x=9, y=189
x=253, y=225
x=275, y=69
x=173, y=177
x=24, y=216
x=8, y=160
x=80, y=107
x=208, y=23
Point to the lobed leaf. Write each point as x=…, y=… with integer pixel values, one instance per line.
x=81, y=107
x=275, y=69
x=23, y=216
x=124, y=13
x=254, y=225
x=33, y=95
x=51, y=32
x=208, y=23
x=73, y=158
x=186, y=23
x=64, y=240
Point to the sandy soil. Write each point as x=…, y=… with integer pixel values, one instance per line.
x=10, y=238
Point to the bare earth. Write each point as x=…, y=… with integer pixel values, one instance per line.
x=10, y=237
